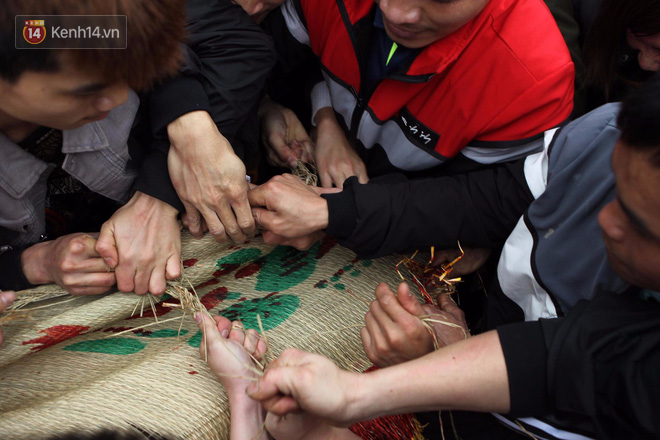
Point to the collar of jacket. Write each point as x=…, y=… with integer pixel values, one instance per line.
x=436, y=57
x=20, y=170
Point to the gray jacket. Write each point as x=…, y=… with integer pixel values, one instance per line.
x=96, y=154
x=556, y=256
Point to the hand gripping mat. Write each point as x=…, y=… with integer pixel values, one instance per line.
x=59, y=371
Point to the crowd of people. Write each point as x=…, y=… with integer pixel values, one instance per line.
x=527, y=130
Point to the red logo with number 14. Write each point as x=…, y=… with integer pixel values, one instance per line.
x=34, y=31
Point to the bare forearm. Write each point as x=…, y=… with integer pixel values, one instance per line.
x=183, y=131
x=247, y=418
x=32, y=260
x=468, y=375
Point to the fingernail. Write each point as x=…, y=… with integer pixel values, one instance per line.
x=225, y=333
x=198, y=317
x=109, y=261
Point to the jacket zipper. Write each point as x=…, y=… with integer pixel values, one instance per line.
x=362, y=97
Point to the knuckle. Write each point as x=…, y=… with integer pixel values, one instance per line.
x=233, y=230
x=67, y=280
x=381, y=347
x=396, y=341
x=67, y=266
x=246, y=223
x=193, y=218
x=217, y=230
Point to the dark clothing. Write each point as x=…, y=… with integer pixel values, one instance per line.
x=70, y=205
x=565, y=15
x=228, y=58
x=595, y=369
x=584, y=362
x=478, y=208
x=479, y=91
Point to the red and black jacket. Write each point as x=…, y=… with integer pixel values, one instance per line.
x=488, y=90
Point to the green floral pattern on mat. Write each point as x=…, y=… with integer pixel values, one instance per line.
x=349, y=268
x=195, y=340
x=121, y=346
x=239, y=257
x=273, y=309
x=286, y=267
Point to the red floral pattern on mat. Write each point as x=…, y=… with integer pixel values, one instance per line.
x=54, y=335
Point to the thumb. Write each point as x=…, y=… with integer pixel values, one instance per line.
x=106, y=246
x=409, y=301
x=207, y=325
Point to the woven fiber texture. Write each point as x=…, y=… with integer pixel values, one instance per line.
x=61, y=371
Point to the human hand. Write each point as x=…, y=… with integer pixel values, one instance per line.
x=284, y=136
x=471, y=261
x=6, y=298
x=142, y=243
x=394, y=332
x=209, y=179
x=304, y=381
x=227, y=347
x=447, y=320
x=335, y=158
x=288, y=208
x=71, y=261
x=304, y=426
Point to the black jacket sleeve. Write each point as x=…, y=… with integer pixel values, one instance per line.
x=228, y=59
x=597, y=367
x=480, y=208
x=297, y=68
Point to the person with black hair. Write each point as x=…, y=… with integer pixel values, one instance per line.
x=621, y=49
x=67, y=166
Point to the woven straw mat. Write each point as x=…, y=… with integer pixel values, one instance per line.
x=61, y=372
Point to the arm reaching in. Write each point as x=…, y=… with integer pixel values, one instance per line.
x=469, y=375
x=142, y=243
x=209, y=178
x=71, y=261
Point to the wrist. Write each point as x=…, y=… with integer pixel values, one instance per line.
x=184, y=129
x=358, y=405
x=147, y=202
x=325, y=119
x=321, y=215
x=267, y=105
x=33, y=263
